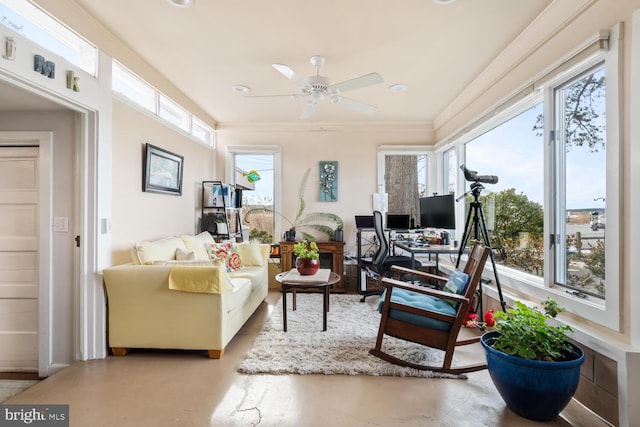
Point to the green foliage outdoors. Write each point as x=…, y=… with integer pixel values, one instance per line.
x=515, y=213
x=524, y=332
x=261, y=235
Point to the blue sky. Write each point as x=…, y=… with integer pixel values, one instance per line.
x=515, y=153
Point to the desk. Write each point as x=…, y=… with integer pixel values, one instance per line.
x=322, y=279
x=430, y=250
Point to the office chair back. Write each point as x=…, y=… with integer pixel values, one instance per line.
x=383, y=244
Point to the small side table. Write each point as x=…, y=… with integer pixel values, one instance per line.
x=291, y=281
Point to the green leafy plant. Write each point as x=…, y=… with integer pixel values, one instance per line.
x=306, y=249
x=322, y=222
x=524, y=332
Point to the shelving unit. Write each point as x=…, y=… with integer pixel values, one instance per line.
x=219, y=218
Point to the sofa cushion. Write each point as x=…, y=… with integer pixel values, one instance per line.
x=164, y=249
x=251, y=254
x=236, y=299
x=198, y=244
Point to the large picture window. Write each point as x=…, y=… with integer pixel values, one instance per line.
x=556, y=152
x=514, y=207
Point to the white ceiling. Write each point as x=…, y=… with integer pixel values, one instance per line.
x=435, y=50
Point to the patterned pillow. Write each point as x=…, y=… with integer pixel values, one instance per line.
x=227, y=252
x=456, y=284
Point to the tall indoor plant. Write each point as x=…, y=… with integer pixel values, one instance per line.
x=532, y=363
x=321, y=222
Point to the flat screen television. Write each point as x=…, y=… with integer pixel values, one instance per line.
x=397, y=222
x=438, y=212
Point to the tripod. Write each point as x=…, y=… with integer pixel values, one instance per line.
x=476, y=213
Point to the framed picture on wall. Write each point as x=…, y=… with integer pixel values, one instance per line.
x=162, y=171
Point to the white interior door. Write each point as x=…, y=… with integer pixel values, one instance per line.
x=19, y=246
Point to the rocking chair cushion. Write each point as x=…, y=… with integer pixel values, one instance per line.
x=426, y=302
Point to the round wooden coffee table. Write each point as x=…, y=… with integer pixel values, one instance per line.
x=291, y=281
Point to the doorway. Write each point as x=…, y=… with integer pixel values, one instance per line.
x=24, y=264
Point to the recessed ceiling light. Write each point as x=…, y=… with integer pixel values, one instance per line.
x=241, y=88
x=398, y=88
x=443, y=1
x=181, y=3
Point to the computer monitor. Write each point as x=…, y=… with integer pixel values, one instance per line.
x=397, y=222
x=364, y=221
x=438, y=212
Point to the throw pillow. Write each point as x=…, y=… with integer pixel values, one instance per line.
x=159, y=250
x=227, y=252
x=182, y=255
x=198, y=244
x=456, y=284
x=192, y=263
x=251, y=254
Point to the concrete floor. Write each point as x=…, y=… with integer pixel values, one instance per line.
x=184, y=388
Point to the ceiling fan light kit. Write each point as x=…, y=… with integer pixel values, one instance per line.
x=241, y=88
x=318, y=88
x=181, y=3
x=398, y=87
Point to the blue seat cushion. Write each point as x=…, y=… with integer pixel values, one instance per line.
x=426, y=302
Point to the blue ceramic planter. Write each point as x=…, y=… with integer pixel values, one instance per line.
x=533, y=389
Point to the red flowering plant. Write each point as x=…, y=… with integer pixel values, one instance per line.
x=472, y=320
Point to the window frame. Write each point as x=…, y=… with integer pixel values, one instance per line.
x=603, y=312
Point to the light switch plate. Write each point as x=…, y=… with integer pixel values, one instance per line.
x=61, y=224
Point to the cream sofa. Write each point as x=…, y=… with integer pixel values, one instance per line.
x=163, y=303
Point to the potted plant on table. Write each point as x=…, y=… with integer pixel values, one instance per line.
x=308, y=257
x=532, y=363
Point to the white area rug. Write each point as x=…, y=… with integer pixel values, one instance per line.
x=352, y=327
x=9, y=388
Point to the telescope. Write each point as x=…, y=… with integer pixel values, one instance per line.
x=470, y=175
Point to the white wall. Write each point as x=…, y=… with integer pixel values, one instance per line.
x=140, y=216
x=354, y=149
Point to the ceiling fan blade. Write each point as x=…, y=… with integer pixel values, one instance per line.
x=357, y=83
x=355, y=105
x=288, y=73
x=309, y=110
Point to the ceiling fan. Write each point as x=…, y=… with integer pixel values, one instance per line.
x=318, y=88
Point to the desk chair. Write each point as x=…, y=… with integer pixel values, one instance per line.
x=382, y=260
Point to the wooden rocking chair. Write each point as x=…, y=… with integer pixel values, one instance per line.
x=428, y=316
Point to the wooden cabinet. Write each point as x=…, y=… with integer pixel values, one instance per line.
x=331, y=256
